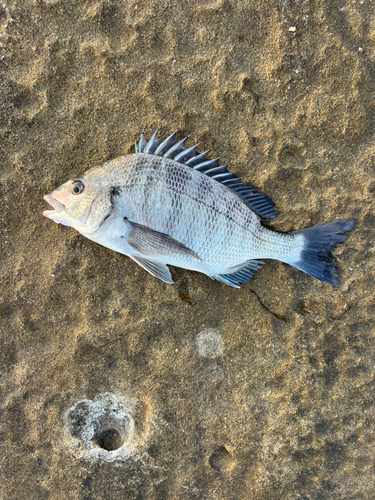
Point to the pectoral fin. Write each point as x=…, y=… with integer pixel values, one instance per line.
x=158, y=270
x=151, y=243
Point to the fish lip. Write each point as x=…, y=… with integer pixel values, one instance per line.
x=55, y=204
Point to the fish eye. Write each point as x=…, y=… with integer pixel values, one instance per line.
x=77, y=187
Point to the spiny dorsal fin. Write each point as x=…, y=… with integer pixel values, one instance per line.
x=260, y=203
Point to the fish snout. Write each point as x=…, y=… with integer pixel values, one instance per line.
x=55, y=204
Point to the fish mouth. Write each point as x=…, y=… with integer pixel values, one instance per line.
x=56, y=204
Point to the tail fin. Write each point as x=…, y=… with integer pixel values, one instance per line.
x=316, y=258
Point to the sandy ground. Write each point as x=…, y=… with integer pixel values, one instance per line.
x=262, y=393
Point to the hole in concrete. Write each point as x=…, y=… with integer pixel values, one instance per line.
x=109, y=427
x=221, y=460
x=110, y=439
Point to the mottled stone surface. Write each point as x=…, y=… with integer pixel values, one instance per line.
x=283, y=91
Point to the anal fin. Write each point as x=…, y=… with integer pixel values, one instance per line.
x=158, y=270
x=240, y=274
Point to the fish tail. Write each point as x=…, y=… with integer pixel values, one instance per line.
x=315, y=249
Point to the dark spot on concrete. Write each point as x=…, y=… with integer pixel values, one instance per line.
x=153, y=451
x=305, y=440
x=89, y=482
x=327, y=486
x=323, y=427
x=18, y=424
x=8, y=354
x=6, y=311
x=335, y=454
x=353, y=438
x=313, y=361
x=369, y=221
x=304, y=307
x=183, y=292
x=330, y=355
x=330, y=374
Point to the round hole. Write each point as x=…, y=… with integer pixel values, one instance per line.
x=110, y=439
x=221, y=459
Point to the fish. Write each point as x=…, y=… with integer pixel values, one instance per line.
x=167, y=204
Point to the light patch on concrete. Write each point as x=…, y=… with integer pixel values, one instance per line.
x=210, y=343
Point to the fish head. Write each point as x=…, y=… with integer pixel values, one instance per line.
x=83, y=202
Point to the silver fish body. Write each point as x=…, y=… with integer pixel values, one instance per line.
x=168, y=205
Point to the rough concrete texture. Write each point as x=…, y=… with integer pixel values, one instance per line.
x=284, y=408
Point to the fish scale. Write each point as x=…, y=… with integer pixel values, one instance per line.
x=167, y=204
x=213, y=208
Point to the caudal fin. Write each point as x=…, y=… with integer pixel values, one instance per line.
x=316, y=257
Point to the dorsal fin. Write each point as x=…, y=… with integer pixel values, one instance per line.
x=260, y=203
